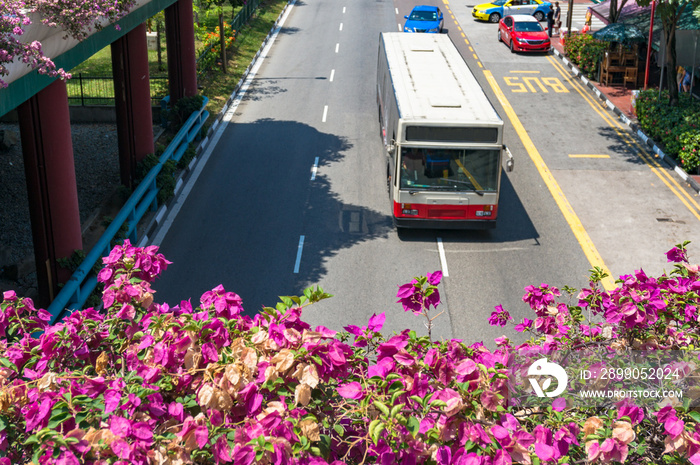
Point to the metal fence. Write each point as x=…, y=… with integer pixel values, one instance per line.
x=99, y=90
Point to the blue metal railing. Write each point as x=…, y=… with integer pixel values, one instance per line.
x=83, y=281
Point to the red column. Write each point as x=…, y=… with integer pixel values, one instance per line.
x=132, y=92
x=182, y=66
x=53, y=194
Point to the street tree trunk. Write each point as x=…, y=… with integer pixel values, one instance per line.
x=222, y=42
x=670, y=61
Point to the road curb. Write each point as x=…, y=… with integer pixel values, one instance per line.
x=632, y=125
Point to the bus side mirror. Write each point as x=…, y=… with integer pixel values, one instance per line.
x=510, y=162
x=391, y=147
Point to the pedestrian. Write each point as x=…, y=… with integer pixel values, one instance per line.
x=550, y=22
x=557, y=18
x=685, y=81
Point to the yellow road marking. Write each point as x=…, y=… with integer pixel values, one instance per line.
x=589, y=249
x=584, y=155
x=526, y=72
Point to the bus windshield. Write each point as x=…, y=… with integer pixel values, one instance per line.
x=449, y=169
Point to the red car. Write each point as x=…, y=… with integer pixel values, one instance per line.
x=523, y=33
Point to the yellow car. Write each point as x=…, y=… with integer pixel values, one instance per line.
x=493, y=12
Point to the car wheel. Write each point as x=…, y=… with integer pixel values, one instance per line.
x=539, y=16
x=494, y=18
x=512, y=50
x=500, y=39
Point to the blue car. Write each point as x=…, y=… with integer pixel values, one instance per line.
x=424, y=18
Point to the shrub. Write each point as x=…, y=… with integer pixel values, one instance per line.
x=585, y=52
x=676, y=129
x=183, y=109
x=165, y=180
x=144, y=382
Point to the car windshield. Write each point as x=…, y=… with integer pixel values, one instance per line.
x=529, y=26
x=499, y=2
x=449, y=169
x=423, y=16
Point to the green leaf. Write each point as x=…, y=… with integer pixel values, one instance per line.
x=377, y=432
x=413, y=426
x=340, y=430
x=372, y=426
x=395, y=409
x=437, y=403
x=396, y=395
x=695, y=416
x=59, y=418
x=379, y=405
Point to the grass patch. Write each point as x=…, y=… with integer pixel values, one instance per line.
x=218, y=86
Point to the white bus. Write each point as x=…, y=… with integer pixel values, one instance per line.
x=443, y=137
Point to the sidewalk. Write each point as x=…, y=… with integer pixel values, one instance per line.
x=618, y=96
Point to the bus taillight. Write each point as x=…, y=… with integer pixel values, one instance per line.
x=407, y=210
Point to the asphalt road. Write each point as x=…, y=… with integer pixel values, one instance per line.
x=293, y=193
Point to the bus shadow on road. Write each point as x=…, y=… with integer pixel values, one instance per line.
x=513, y=224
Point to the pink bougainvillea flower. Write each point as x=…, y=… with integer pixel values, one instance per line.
x=559, y=404
x=409, y=298
x=351, y=390
x=222, y=450
x=677, y=255
x=499, y=317
x=625, y=408
x=524, y=326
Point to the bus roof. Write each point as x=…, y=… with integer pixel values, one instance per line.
x=432, y=82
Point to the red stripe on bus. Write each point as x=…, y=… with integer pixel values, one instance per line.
x=445, y=212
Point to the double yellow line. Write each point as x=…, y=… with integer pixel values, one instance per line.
x=630, y=140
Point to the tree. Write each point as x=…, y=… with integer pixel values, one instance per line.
x=670, y=12
x=614, y=12
x=217, y=6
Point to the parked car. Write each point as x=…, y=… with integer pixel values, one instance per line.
x=523, y=33
x=493, y=12
x=424, y=18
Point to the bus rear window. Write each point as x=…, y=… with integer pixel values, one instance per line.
x=451, y=134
